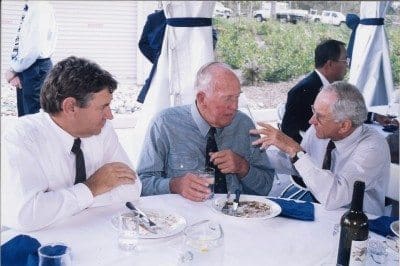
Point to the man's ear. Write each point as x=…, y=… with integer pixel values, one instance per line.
x=330, y=63
x=68, y=105
x=345, y=126
x=200, y=96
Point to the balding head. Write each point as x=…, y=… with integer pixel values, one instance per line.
x=218, y=90
x=212, y=74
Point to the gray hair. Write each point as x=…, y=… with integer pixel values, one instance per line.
x=349, y=104
x=205, y=80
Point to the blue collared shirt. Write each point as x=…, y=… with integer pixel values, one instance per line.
x=176, y=144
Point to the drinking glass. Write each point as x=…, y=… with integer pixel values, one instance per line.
x=54, y=254
x=128, y=230
x=209, y=174
x=377, y=251
x=392, y=110
x=203, y=244
x=392, y=242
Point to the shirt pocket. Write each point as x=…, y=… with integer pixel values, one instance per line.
x=183, y=162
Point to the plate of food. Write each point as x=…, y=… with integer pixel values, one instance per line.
x=167, y=224
x=249, y=207
x=395, y=227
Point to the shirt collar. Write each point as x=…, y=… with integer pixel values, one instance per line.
x=323, y=79
x=202, y=124
x=66, y=140
x=350, y=139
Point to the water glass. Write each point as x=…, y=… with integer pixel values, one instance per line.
x=377, y=250
x=54, y=254
x=393, y=110
x=393, y=243
x=209, y=174
x=203, y=244
x=128, y=231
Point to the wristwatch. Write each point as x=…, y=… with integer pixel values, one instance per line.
x=298, y=155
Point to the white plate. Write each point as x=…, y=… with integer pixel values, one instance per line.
x=395, y=227
x=168, y=224
x=274, y=208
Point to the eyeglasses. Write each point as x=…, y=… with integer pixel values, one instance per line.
x=347, y=60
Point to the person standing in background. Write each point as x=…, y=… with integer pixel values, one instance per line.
x=30, y=58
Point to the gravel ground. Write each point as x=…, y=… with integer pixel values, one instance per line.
x=266, y=95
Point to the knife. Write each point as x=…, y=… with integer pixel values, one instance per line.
x=142, y=215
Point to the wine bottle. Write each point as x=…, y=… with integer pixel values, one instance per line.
x=354, y=231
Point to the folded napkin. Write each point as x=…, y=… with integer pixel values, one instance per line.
x=21, y=250
x=381, y=225
x=296, y=210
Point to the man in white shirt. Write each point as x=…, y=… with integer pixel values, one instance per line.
x=30, y=58
x=358, y=152
x=43, y=181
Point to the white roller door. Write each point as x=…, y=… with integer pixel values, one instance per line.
x=103, y=31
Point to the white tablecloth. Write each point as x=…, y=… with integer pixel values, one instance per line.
x=276, y=241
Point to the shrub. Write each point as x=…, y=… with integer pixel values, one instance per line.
x=274, y=51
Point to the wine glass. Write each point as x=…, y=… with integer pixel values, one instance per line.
x=203, y=244
x=392, y=110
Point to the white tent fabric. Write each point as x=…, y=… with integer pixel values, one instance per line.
x=184, y=51
x=370, y=67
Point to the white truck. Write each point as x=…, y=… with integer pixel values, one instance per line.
x=313, y=16
x=282, y=12
x=333, y=17
x=221, y=11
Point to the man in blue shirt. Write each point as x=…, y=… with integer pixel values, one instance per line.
x=176, y=143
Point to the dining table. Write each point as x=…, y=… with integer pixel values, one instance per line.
x=93, y=239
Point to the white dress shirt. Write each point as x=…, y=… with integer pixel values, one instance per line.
x=364, y=156
x=37, y=36
x=38, y=172
x=324, y=81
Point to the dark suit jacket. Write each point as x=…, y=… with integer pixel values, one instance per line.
x=298, y=106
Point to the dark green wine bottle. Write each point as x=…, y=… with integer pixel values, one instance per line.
x=354, y=231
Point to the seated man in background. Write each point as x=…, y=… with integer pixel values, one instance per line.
x=336, y=150
x=330, y=65
x=67, y=158
x=179, y=142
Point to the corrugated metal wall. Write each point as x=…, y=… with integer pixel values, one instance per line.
x=103, y=31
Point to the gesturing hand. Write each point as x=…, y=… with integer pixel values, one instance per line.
x=110, y=176
x=229, y=162
x=190, y=186
x=272, y=136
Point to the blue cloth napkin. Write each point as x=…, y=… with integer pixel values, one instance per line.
x=296, y=210
x=381, y=225
x=20, y=251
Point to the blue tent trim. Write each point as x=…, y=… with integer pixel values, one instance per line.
x=150, y=43
x=352, y=22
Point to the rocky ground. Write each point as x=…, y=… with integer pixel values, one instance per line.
x=266, y=95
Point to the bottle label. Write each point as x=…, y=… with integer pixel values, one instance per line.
x=358, y=252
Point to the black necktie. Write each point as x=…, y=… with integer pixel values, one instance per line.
x=80, y=175
x=328, y=156
x=220, y=180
